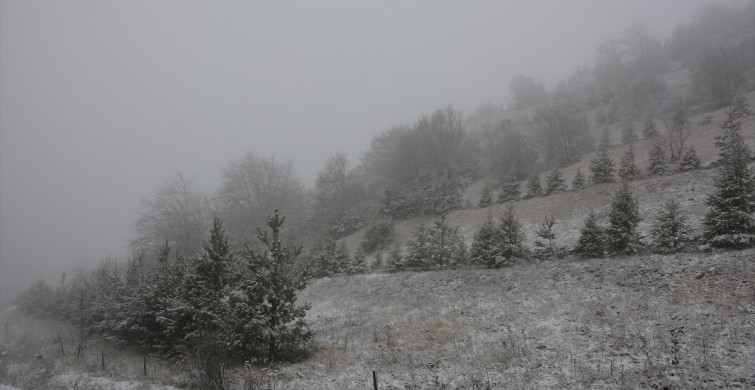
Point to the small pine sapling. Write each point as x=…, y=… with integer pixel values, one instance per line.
x=511, y=239
x=670, y=232
x=690, y=161
x=545, y=247
x=627, y=169
x=484, y=246
x=621, y=234
x=554, y=182
x=657, y=157
x=650, y=130
x=395, y=261
x=579, y=181
x=534, y=188
x=628, y=135
x=591, y=242
x=602, y=167
x=486, y=198
x=510, y=190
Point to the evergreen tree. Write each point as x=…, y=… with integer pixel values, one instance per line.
x=579, y=181
x=621, y=234
x=650, y=130
x=657, y=159
x=533, y=187
x=628, y=170
x=628, y=135
x=730, y=221
x=511, y=240
x=439, y=246
x=275, y=281
x=602, y=168
x=509, y=189
x=670, y=232
x=545, y=247
x=341, y=259
x=358, y=264
x=377, y=262
x=591, y=242
x=690, y=160
x=486, y=198
x=395, y=261
x=484, y=245
x=554, y=182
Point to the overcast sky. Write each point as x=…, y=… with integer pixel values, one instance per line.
x=100, y=100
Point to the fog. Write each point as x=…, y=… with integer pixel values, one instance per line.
x=99, y=101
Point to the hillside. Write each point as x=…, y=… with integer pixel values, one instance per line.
x=570, y=208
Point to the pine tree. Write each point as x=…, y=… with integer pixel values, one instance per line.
x=437, y=247
x=377, y=262
x=579, y=181
x=341, y=259
x=545, y=247
x=276, y=280
x=395, y=261
x=554, y=182
x=650, y=130
x=486, y=198
x=484, y=245
x=509, y=189
x=358, y=264
x=730, y=221
x=601, y=167
x=628, y=135
x=690, y=160
x=657, y=159
x=533, y=187
x=627, y=169
x=591, y=242
x=511, y=240
x=670, y=232
x=621, y=234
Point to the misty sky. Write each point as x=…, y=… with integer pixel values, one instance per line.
x=100, y=100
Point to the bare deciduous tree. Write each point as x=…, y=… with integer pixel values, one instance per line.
x=177, y=214
x=252, y=186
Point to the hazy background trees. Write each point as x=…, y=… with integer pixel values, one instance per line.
x=526, y=92
x=177, y=214
x=254, y=185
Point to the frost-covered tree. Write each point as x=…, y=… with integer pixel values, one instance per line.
x=579, y=181
x=621, y=234
x=484, y=245
x=592, y=240
x=276, y=281
x=358, y=264
x=730, y=221
x=650, y=129
x=486, y=198
x=657, y=157
x=628, y=134
x=511, y=240
x=602, y=167
x=438, y=246
x=690, y=160
x=670, y=232
x=627, y=169
x=554, y=182
x=545, y=246
x=395, y=261
x=510, y=190
x=534, y=188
